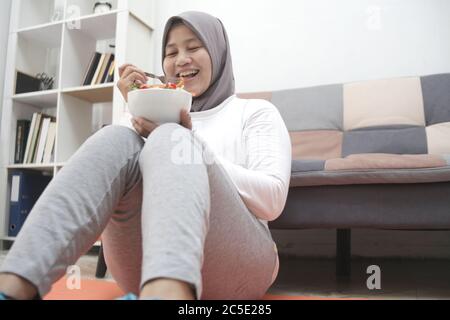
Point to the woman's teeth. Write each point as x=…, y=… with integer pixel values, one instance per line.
x=189, y=74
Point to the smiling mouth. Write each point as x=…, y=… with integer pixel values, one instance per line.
x=188, y=74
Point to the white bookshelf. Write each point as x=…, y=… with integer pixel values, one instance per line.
x=61, y=45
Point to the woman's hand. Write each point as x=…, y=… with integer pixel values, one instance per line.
x=129, y=75
x=145, y=127
x=186, y=120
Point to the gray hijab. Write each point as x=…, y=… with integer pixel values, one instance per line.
x=213, y=35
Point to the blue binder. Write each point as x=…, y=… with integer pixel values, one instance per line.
x=26, y=188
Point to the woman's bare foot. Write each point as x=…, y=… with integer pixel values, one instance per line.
x=169, y=289
x=16, y=287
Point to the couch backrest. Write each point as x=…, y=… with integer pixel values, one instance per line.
x=397, y=116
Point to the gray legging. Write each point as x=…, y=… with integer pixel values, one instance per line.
x=194, y=226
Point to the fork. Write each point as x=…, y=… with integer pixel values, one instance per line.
x=160, y=78
x=163, y=79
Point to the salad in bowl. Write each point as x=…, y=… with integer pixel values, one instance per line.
x=161, y=103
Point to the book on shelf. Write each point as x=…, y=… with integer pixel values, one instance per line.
x=34, y=135
x=110, y=77
x=100, y=69
x=92, y=67
x=103, y=68
x=97, y=71
x=42, y=140
x=50, y=143
x=30, y=134
x=26, y=188
x=37, y=138
x=107, y=68
x=22, y=130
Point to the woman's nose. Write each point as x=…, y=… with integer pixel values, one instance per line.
x=183, y=59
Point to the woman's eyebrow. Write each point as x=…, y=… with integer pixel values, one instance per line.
x=170, y=45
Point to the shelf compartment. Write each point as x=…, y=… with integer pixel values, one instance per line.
x=78, y=119
x=94, y=35
x=94, y=94
x=97, y=26
x=38, y=51
x=24, y=111
x=74, y=126
x=40, y=99
x=34, y=13
x=76, y=9
x=48, y=34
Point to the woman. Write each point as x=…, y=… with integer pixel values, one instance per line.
x=170, y=230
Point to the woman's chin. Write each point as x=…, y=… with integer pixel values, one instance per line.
x=192, y=90
x=195, y=88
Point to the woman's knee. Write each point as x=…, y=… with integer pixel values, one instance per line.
x=167, y=132
x=165, y=139
x=119, y=137
x=118, y=132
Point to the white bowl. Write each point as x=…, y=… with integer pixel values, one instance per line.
x=159, y=105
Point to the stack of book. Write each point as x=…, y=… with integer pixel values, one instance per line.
x=35, y=140
x=100, y=69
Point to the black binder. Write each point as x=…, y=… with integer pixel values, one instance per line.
x=26, y=188
x=26, y=83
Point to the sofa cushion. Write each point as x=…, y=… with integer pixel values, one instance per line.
x=385, y=161
x=387, y=139
x=396, y=101
x=438, y=138
x=378, y=176
x=371, y=169
x=436, y=97
x=316, y=108
x=307, y=165
x=318, y=144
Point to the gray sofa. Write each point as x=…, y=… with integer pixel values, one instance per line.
x=372, y=154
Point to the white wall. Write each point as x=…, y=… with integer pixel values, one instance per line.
x=301, y=43
x=5, y=8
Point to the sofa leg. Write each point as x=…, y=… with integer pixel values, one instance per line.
x=343, y=253
x=101, y=265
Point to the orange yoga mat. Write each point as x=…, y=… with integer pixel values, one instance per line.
x=89, y=290
x=108, y=290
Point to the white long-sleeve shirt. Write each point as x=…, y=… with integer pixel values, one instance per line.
x=251, y=142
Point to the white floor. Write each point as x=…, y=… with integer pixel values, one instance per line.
x=400, y=278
